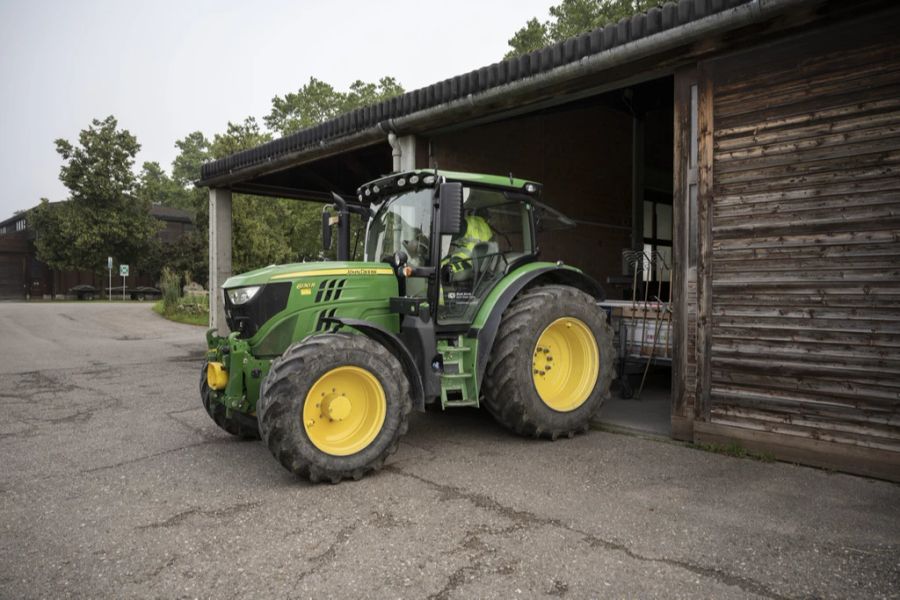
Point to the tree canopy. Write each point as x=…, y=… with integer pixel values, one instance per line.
x=108, y=208
x=317, y=101
x=573, y=17
x=103, y=215
x=154, y=186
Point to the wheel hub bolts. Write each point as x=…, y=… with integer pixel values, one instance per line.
x=338, y=408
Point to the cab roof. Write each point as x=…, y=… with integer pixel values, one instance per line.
x=421, y=178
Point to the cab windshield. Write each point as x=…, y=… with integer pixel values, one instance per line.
x=401, y=224
x=497, y=233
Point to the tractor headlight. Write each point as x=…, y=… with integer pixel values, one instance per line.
x=243, y=295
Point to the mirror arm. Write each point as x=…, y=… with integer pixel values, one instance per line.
x=326, y=229
x=343, y=249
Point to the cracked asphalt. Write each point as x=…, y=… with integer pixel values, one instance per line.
x=115, y=484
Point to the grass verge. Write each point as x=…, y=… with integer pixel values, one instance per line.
x=196, y=313
x=736, y=450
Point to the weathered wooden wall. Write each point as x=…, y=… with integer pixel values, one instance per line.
x=798, y=303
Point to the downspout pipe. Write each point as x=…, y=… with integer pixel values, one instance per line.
x=396, y=152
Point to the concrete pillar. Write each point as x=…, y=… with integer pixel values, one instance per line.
x=408, y=152
x=219, y=254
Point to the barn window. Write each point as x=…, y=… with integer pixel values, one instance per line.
x=658, y=234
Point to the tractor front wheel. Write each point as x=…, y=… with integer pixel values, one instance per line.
x=552, y=363
x=334, y=406
x=243, y=428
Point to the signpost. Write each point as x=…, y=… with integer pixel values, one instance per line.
x=123, y=271
x=109, y=268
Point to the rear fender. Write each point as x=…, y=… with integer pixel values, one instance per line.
x=487, y=323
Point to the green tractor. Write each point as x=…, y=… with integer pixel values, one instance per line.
x=451, y=307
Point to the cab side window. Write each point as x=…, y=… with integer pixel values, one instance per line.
x=497, y=232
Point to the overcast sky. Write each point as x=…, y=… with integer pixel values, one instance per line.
x=166, y=68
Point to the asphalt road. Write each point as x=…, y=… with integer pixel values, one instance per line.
x=115, y=484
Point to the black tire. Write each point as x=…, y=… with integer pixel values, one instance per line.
x=244, y=428
x=284, y=393
x=509, y=391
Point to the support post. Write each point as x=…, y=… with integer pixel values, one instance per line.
x=407, y=145
x=637, y=182
x=219, y=255
x=684, y=252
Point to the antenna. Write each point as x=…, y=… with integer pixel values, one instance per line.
x=510, y=178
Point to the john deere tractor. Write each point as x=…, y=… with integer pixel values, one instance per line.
x=449, y=308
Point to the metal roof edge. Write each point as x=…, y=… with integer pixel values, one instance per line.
x=643, y=34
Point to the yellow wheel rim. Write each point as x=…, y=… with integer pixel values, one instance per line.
x=565, y=364
x=344, y=411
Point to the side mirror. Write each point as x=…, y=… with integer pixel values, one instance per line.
x=452, y=219
x=326, y=230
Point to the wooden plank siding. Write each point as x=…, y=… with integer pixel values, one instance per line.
x=803, y=238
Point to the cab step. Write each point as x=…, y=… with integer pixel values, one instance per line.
x=458, y=384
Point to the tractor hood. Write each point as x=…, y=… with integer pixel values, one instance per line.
x=294, y=271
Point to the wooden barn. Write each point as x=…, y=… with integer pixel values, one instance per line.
x=754, y=144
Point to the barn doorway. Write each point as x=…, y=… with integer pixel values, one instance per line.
x=606, y=162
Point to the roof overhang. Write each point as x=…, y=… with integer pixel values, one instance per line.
x=636, y=49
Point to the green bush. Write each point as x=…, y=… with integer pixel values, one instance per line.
x=194, y=305
x=170, y=284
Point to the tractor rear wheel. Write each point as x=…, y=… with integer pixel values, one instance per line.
x=243, y=428
x=552, y=363
x=334, y=406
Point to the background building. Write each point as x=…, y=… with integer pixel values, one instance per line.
x=23, y=275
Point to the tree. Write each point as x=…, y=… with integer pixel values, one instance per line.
x=531, y=37
x=103, y=216
x=193, y=152
x=317, y=101
x=188, y=254
x=156, y=187
x=573, y=17
x=237, y=137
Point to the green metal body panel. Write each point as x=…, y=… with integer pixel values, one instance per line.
x=357, y=290
x=487, y=307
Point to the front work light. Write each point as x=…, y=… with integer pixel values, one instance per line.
x=242, y=295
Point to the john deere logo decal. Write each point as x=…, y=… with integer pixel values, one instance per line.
x=337, y=272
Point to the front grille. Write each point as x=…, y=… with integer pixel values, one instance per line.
x=247, y=318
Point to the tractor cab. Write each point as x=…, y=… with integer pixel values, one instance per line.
x=453, y=236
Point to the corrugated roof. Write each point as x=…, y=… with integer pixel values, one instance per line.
x=657, y=20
